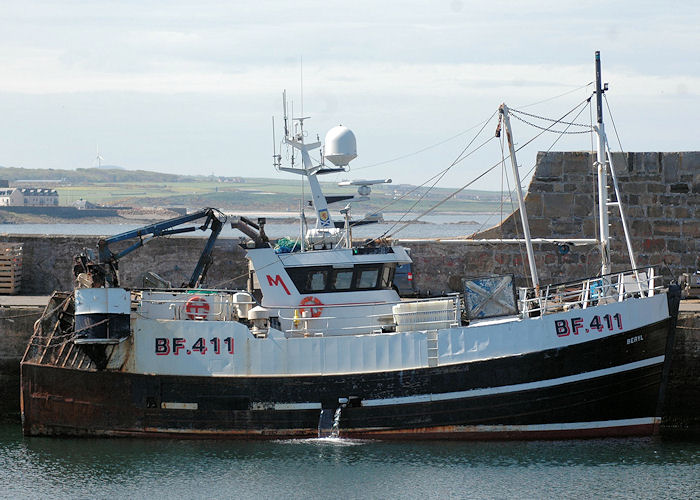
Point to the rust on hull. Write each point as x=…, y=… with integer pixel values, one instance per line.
x=465, y=433
x=97, y=414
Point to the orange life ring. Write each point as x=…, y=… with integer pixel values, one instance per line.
x=197, y=308
x=312, y=301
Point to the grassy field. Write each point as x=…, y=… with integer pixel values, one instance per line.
x=258, y=194
x=142, y=190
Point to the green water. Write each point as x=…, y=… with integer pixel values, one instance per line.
x=132, y=468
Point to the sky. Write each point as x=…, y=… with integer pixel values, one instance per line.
x=191, y=87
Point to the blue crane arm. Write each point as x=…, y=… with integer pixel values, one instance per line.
x=166, y=228
x=200, y=270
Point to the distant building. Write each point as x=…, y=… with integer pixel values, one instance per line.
x=84, y=204
x=4, y=183
x=28, y=197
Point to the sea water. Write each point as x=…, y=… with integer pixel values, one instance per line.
x=342, y=468
x=431, y=226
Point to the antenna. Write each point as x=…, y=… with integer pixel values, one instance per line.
x=284, y=108
x=301, y=76
x=275, y=159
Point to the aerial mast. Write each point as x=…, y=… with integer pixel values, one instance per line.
x=340, y=149
x=602, y=168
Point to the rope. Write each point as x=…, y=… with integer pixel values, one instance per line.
x=461, y=157
x=23, y=315
x=459, y=190
x=449, y=197
x=613, y=122
x=512, y=208
x=550, y=119
x=549, y=129
x=557, y=96
x=425, y=148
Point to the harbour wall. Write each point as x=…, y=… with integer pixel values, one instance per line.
x=682, y=402
x=660, y=195
x=16, y=327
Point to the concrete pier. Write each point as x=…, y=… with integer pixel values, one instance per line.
x=17, y=317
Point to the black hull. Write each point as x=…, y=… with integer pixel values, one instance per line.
x=602, y=387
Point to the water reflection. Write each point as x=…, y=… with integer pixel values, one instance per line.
x=331, y=467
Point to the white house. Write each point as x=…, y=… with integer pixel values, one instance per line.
x=18, y=197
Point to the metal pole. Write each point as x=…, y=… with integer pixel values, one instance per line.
x=602, y=174
x=521, y=203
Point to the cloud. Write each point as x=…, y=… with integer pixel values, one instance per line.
x=49, y=71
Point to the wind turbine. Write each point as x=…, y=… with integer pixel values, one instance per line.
x=99, y=159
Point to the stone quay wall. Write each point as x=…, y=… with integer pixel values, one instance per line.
x=47, y=261
x=682, y=402
x=16, y=327
x=660, y=195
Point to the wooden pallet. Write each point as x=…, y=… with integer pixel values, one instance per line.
x=10, y=268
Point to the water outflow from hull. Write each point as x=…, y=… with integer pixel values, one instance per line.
x=329, y=423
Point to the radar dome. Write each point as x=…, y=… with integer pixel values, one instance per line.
x=340, y=146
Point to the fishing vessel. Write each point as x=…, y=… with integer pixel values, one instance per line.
x=320, y=342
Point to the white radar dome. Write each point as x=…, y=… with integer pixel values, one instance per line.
x=340, y=146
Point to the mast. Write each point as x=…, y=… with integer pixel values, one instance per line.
x=296, y=140
x=521, y=203
x=601, y=165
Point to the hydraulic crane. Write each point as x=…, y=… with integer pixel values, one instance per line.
x=103, y=269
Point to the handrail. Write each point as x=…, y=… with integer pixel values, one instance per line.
x=613, y=287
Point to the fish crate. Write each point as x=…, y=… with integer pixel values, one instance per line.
x=10, y=268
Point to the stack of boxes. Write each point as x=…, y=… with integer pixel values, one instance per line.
x=10, y=268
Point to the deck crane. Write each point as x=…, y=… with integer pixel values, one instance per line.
x=102, y=269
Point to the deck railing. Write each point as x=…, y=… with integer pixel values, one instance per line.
x=414, y=314
x=614, y=287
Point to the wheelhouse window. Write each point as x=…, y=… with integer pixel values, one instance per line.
x=328, y=279
x=342, y=279
x=387, y=276
x=367, y=278
x=316, y=281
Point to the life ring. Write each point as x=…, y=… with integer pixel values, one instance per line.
x=312, y=301
x=197, y=308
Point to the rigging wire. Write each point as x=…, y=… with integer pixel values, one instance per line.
x=607, y=105
x=557, y=96
x=462, y=156
x=449, y=197
x=548, y=129
x=459, y=190
x=515, y=219
x=426, y=148
x=501, y=202
x=594, y=184
x=549, y=119
x=588, y=101
x=441, y=174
